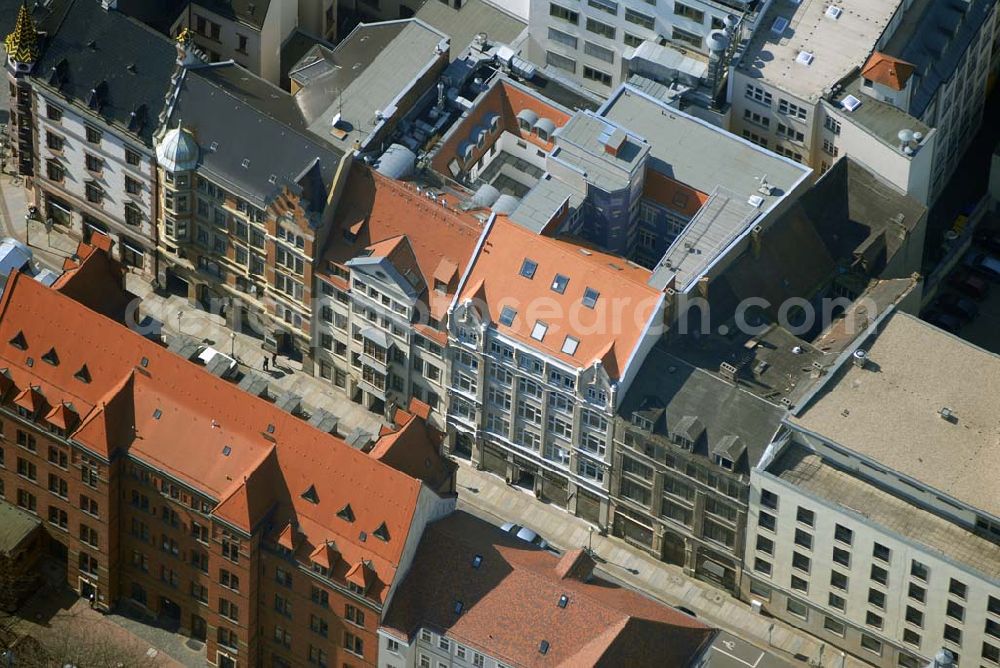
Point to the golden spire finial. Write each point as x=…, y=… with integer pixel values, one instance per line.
x=22, y=43
x=184, y=36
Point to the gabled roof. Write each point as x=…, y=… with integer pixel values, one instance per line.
x=888, y=71
x=376, y=212
x=96, y=279
x=496, y=278
x=108, y=62
x=507, y=602
x=250, y=456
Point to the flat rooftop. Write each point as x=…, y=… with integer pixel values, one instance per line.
x=581, y=143
x=698, y=154
x=880, y=119
x=811, y=473
x=473, y=17
x=890, y=411
x=367, y=72
x=837, y=45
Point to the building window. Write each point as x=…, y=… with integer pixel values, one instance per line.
x=838, y=580
x=834, y=626
x=830, y=148
x=797, y=608
x=54, y=170
x=354, y=644
x=93, y=163
x=799, y=584
x=800, y=562
x=639, y=19
x=756, y=118
x=596, y=75
x=881, y=552
x=94, y=193
x=837, y=602
x=919, y=570
x=955, y=610
x=957, y=588
x=871, y=644
x=132, y=186
x=319, y=625
x=914, y=616
x=762, y=566
x=911, y=637
x=767, y=521
x=803, y=539
x=758, y=94
x=790, y=133
x=768, y=499
x=564, y=14
x=879, y=574
x=599, y=28
x=695, y=15
x=598, y=52
x=842, y=557
x=52, y=112
x=916, y=592
x=686, y=37
x=560, y=62
x=765, y=545
x=242, y=43
x=832, y=124
x=632, y=40
x=792, y=110
x=93, y=135
x=873, y=620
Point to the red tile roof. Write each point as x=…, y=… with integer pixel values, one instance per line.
x=510, y=604
x=505, y=99
x=236, y=448
x=96, y=279
x=382, y=213
x=609, y=332
x=888, y=71
x=672, y=194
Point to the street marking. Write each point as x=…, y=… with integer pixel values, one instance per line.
x=730, y=644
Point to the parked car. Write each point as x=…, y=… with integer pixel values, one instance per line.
x=945, y=321
x=969, y=285
x=525, y=534
x=957, y=305
x=218, y=362
x=984, y=264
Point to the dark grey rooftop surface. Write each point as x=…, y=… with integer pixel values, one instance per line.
x=474, y=16
x=881, y=119
x=849, y=210
x=89, y=46
x=933, y=36
x=260, y=143
x=686, y=391
x=159, y=15
x=15, y=526
x=812, y=474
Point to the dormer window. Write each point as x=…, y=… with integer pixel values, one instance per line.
x=356, y=588
x=346, y=513
x=641, y=422
x=19, y=341
x=597, y=396
x=51, y=357
x=724, y=462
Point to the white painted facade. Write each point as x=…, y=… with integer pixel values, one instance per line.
x=581, y=34
x=431, y=650
x=99, y=165
x=900, y=602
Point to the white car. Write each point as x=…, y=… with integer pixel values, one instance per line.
x=208, y=356
x=525, y=534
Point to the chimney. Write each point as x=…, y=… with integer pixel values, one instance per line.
x=615, y=142
x=860, y=358
x=576, y=564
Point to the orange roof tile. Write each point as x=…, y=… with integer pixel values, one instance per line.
x=62, y=416
x=31, y=399
x=888, y=71
x=325, y=555
x=672, y=194
x=505, y=99
x=241, y=450
x=376, y=209
x=412, y=448
x=510, y=603
x=97, y=280
x=609, y=332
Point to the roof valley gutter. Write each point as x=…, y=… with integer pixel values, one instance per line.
x=475, y=256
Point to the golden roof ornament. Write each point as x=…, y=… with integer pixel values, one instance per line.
x=22, y=43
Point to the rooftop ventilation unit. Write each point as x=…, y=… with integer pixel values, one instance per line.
x=834, y=12
x=804, y=58
x=860, y=358
x=779, y=25
x=850, y=103
x=755, y=201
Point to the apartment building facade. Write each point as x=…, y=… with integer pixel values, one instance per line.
x=538, y=362
x=89, y=135
x=871, y=543
x=389, y=273
x=591, y=43
x=252, y=34
x=243, y=222
x=243, y=542
x=879, y=68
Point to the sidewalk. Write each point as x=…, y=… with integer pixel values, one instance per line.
x=491, y=495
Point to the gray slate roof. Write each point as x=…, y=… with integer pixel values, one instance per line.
x=126, y=62
x=253, y=123
x=251, y=12
x=687, y=392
